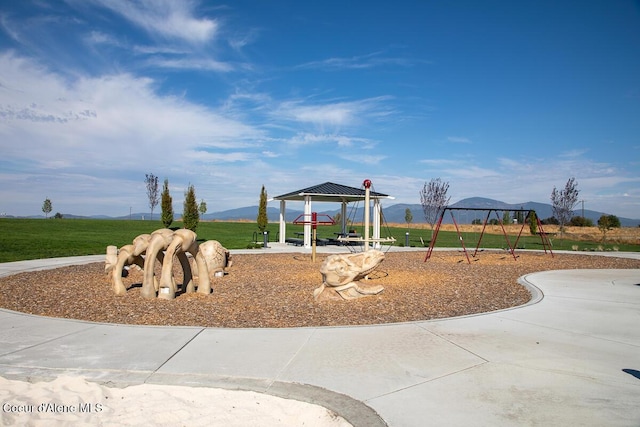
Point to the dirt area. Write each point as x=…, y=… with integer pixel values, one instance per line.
x=276, y=291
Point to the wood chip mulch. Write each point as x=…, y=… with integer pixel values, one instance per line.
x=276, y=291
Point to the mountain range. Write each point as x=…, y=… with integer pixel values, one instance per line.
x=392, y=214
x=396, y=213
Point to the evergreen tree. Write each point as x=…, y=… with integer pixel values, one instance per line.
x=408, y=216
x=262, y=219
x=166, y=205
x=190, y=216
x=506, y=218
x=533, y=223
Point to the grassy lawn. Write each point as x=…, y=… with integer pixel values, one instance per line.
x=22, y=239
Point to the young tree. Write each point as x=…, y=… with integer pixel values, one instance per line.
x=533, y=223
x=433, y=198
x=202, y=207
x=190, y=216
x=47, y=207
x=262, y=218
x=564, y=201
x=606, y=223
x=151, y=182
x=408, y=217
x=506, y=218
x=166, y=205
x=337, y=218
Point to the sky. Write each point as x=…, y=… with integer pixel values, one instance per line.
x=501, y=99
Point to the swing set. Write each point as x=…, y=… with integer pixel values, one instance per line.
x=546, y=243
x=354, y=240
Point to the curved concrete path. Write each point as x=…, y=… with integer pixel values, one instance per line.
x=570, y=358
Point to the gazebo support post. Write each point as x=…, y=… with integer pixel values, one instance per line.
x=307, y=226
x=283, y=221
x=367, y=207
x=343, y=218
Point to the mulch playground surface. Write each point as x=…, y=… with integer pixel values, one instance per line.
x=276, y=291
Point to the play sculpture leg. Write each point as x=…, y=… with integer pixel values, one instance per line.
x=182, y=241
x=160, y=240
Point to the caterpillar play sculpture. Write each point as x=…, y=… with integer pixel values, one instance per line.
x=160, y=241
x=342, y=275
x=165, y=245
x=128, y=255
x=216, y=256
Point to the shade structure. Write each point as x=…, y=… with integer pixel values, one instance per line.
x=332, y=193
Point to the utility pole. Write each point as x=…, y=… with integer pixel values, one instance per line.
x=582, y=201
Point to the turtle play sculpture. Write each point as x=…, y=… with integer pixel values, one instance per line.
x=342, y=276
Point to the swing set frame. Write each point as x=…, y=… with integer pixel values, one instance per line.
x=546, y=243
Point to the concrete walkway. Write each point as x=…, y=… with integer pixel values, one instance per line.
x=571, y=357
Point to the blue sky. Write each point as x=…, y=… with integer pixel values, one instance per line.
x=502, y=99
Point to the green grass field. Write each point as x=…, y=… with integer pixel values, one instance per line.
x=22, y=239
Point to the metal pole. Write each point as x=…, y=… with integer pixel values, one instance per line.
x=314, y=226
x=367, y=186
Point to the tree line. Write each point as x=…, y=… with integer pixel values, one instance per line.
x=191, y=209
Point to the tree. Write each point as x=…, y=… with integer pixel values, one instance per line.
x=564, y=201
x=606, y=223
x=580, y=221
x=262, y=218
x=337, y=218
x=202, y=207
x=408, y=216
x=166, y=205
x=433, y=198
x=190, y=216
x=152, y=191
x=506, y=218
x=47, y=207
x=533, y=223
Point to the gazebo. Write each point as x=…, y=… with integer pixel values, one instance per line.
x=333, y=193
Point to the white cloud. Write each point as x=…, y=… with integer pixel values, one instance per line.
x=306, y=138
x=102, y=131
x=333, y=114
x=375, y=59
x=167, y=18
x=190, y=63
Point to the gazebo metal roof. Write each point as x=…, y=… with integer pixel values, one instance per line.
x=330, y=192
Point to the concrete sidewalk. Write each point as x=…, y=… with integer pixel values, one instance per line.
x=570, y=358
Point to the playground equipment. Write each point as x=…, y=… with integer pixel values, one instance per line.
x=312, y=219
x=377, y=216
x=546, y=244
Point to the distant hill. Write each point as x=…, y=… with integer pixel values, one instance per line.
x=392, y=214
x=250, y=213
x=396, y=213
